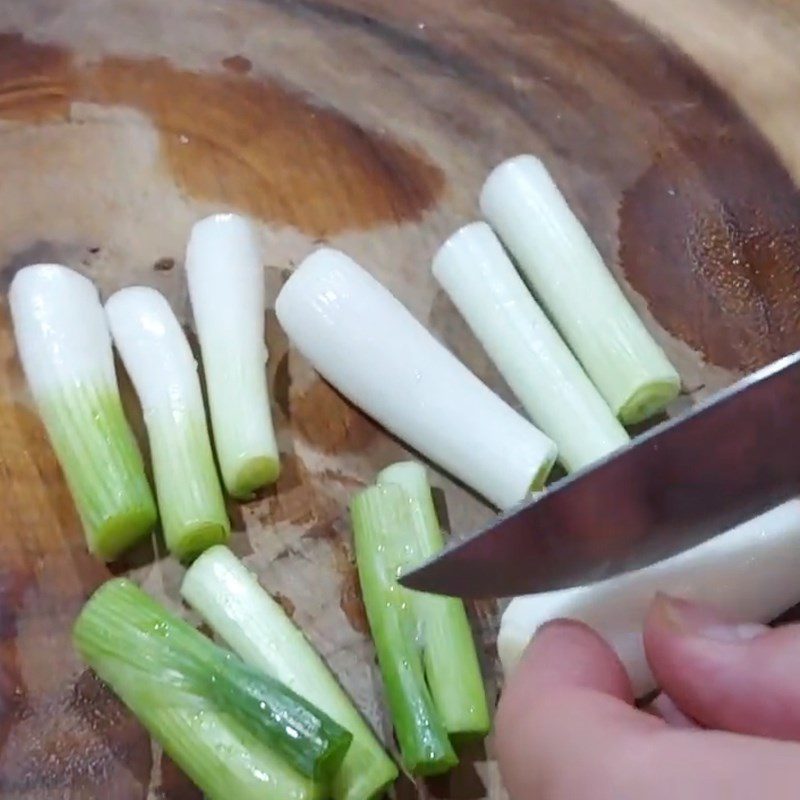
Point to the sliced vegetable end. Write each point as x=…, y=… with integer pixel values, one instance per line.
x=326, y=768
x=471, y=733
x=648, y=400
x=197, y=538
x=118, y=533
x=540, y=478
x=427, y=766
x=254, y=474
x=374, y=786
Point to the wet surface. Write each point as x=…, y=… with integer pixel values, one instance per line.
x=60, y=730
x=729, y=240
x=329, y=422
x=682, y=194
x=231, y=138
x=13, y=694
x=708, y=232
x=707, y=215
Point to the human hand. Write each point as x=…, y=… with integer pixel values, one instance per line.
x=567, y=728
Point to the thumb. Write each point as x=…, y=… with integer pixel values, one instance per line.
x=731, y=676
x=565, y=715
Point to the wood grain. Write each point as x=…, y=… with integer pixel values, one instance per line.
x=370, y=125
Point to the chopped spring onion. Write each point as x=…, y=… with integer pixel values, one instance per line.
x=451, y=663
x=383, y=521
x=750, y=572
x=476, y=273
x=160, y=363
x=226, y=287
x=367, y=344
x=231, y=601
x=65, y=349
x=566, y=271
x=191, y=693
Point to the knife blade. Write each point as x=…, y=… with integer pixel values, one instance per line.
x=672, y=488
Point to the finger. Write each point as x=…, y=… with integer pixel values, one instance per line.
x=737, y=677
x=666, y=708
x=566, y=731
x=566, y=708
x=569, y=653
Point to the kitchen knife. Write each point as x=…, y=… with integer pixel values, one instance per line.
x=670, y=489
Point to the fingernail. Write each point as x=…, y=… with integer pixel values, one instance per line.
x=553, y=627
x=692, y=619
x=550, y=631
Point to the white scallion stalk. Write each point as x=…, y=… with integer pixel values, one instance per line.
x=367, y=344
x=226, y=287
x=479, y=278
x=65, y=349
x=255, y=627
x=567, y=273
x=163, y=370
x=750, y=572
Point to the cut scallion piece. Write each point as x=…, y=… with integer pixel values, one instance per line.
x=567, y=273
x=65, y=349
x=451, y=663
x=476, y=273
x=162, y=668
x=749, y=572
x=382, y=523
x=160, y=363
x=366, y=343
x=226, y=287
x=253, y=625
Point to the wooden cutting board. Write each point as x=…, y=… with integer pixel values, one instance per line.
x=369, y=125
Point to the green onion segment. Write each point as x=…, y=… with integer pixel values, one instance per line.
x=159, y=361
x=226, y=287
x=192, y=695
x=423, y=642
x=567, y=273
x=361, y=339
x=749, y=573
x=479, y=278
x=65, y=349
x=229, y=598
x=451, y=662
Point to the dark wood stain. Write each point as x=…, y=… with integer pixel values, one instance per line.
x=13, y=692
x=336, y=533
x=238, y=64
x=709, y=232
x=174, y=783
x=298, y=500
x=164, y=264
x=329, y=422
x=462, y=782
x=729, y=239
x=285, y=603
x=350, y=600
x=257, y=146
x=69, y=735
